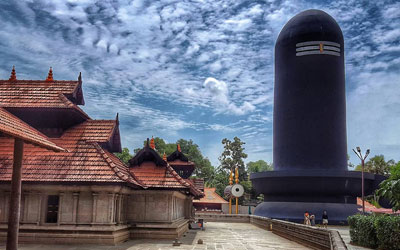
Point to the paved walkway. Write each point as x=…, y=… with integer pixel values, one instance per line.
x=217, y=236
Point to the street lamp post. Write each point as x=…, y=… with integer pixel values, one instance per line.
x=362, y=158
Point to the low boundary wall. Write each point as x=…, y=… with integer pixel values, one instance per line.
x=314, y=237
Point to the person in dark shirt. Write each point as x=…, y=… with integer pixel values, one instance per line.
x=325, y=219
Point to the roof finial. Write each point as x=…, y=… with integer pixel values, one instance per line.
x=50, y=75
x=152, y=144
x=117, y=119
x=164, y=157
x=80, y=77
x=147, y=143
x=178, y=147
x=13, y=76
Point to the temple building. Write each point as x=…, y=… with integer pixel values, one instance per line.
x=210, y=203
x=85, y=194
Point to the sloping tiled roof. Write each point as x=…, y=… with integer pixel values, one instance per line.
x=155, y=176
x=152, y=171
x=14, y=127
x=85, y=161
x=91, y=131
x=197, y=183
x=211, y=197
x=41, y=94
x=165, y=177
x=37, y=93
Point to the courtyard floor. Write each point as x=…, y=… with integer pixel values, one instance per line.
x=217, y=236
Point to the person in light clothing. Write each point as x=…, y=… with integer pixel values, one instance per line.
x=307, y=219
x=312, y=219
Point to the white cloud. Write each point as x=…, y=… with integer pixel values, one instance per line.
x=374, y=114
x=220, y=95
x=163, y=50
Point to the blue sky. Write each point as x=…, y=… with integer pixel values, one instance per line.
x=202, y=70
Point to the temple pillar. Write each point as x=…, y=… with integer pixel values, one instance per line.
x=94, y=207
x=24, y=207
x=111, y=206
x=60, y=207
x=75, y=197
x=39, y=214
x=120, y=204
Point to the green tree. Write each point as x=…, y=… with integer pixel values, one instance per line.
x=377, y=165
x=220, y=181
x=124, y=156
x=258, y=166
x=390, y=188
x=204, y=169
x=233, y=156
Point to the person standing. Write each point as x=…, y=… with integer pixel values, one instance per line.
x=312, y=219
x=325, y=219
x=307, y=219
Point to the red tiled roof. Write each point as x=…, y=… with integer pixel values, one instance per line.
x=14, y=127
x=151, y=170
x=28, y=93
x=155, y=176
x=41, y=94
x=85, y=160
x=197, y=183
x=211, y=197
x=91, y=131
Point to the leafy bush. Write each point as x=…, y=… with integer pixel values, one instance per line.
x=362, y=230
x=388, y=232
x=390, y=188
x=382, y=231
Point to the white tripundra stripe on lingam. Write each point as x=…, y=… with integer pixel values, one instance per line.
x=317, y=43
x=317, y=47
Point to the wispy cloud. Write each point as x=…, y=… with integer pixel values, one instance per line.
x=200, y=69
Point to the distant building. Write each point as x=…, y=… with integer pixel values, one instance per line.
x=210, y=203
x=85, y=195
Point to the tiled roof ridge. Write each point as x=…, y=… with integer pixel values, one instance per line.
x=70, y=104
x=40, y=81
x=115, y=168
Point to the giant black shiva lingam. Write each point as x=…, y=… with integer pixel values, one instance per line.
x=309, y=145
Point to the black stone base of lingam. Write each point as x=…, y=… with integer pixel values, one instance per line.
x=288, y=194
